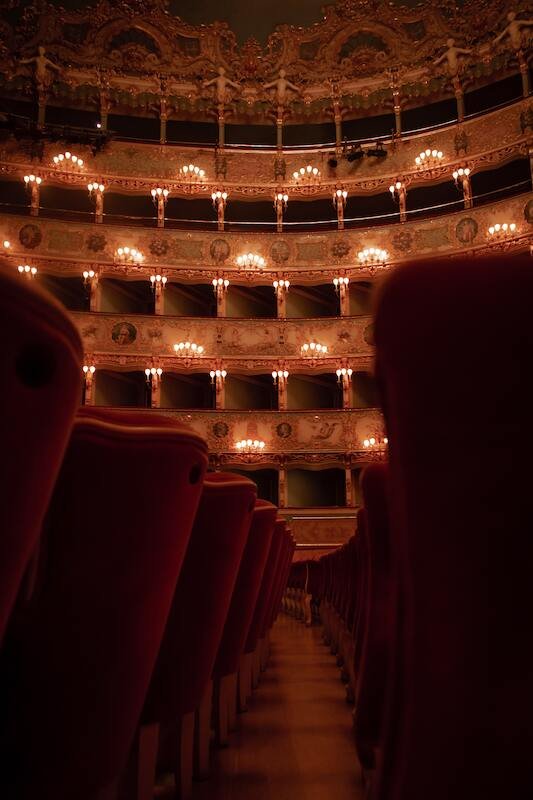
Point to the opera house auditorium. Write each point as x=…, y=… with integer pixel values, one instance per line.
x=266, y=316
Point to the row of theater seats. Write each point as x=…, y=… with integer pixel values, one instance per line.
x=428, y=606
x=137, y=590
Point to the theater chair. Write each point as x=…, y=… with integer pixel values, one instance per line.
x=243, y=602
x=285, y=559
x=261, y=608
x=78, y=661
x=454, y=343
x=181, y=683
x=40, y=367
x=373, y=667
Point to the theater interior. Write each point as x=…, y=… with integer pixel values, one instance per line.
x=266, y=280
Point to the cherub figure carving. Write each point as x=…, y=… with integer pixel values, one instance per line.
x=514, y=30
x=221, y=86
x=42, y=64
x=282, y=86
x=451, y=55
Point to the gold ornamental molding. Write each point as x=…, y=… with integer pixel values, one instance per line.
x=67, y=248
x=136, y=168
x=245, y=344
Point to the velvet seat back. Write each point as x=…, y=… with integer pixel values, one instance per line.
x=269, y=575
x=40, y=369
x=361, y=575
x=454, y=343
x=374, y=664
x=79, y=661
x=280, y=583
x=202, y=598
x=279, y=576
x=246, y=589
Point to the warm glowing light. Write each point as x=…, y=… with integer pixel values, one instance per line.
x=339, y=197
x=281, y=284
x=462, y=172
x=250, y=445
x=376, y=442
x=158, y=193
x=251, y=260
x=340, y=281
x=188, y=349
x=280, y=375
x=68, y=160
x=221, y=283
x=219, y=198
x=219, y=374
x=32, y=180
x=128, y=255
x=89, y=370
x=344, y=372
x=373, y=255
x=308, y=174
x=88, y=275
x=429, y=158
x=314, y=349
x=25, y=269
x=502, y=230
x=153, y=373
x=158, y=280
x=95, y=188
x=6, y=244
x=192, y=172
x=280, y=200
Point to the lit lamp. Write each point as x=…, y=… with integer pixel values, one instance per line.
x=501, y=231
x=280, y=204
x=280, y=378
x=220, y=287
x=6, y=244
x=461, y=177
x=373, y=257
x=188, y=349
x=128, y=255
x=339, y=201
x=306, y=175
x=68, y=161
x=90, y=281
x=96, y=193
x=157, y=284
x=159, y=199
x=218, y=378
x=219, y=199
x=313, y=349
x=250, y=445
x=429, y=158
x=399, y=194
x=153, y=379
x=192, y=174
x=88, y=373
x=344, y=378
x=281, y=288
x=251, y=261
x=341, y=287
x=377, y=445
x=27, y=271
x=33, y=184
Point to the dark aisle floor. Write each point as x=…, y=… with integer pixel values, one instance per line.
x=295, y=742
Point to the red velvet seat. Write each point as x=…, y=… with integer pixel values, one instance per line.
x=194, y=627
x=375, y=653
x=40, y=367
x=454, y=347
x=240, y=612
x=79, y=661
x=261, y=609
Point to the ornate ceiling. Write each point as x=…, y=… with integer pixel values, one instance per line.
x=358, y=49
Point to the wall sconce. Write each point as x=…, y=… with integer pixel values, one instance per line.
x=280, y=204
x=128, y=255
x=281, y=285
x=158, y=282
x=33, y=186
x=6, y=244
x=159, y=199
x=306, y=175
x=153, y=374
x=372, y=256
x=219, y=199
x=192, y=173
x=340, y=282
x=461, y=177
x=399, y=194
x=280, y=376
x=429, y=158
x=89, y=276
x=88, y=373
x=27, y=271
x=68, y=160
x=251, y=261
x=376, y=444
x=218, y=375
x=220, y=284
x=314, y=349
x=188, y=349
x=250, y=445
x=343, y=373
x=501, y=231
x=96, y=193
x=339, y=201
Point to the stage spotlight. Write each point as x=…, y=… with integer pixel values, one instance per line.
x=377, y=152
x=332, y=163
x=355, y=154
